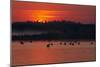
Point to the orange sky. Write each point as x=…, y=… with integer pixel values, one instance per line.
x=32, y=11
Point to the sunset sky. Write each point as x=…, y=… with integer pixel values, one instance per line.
x=33, y=11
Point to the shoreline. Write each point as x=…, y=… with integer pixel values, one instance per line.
x=58, y=40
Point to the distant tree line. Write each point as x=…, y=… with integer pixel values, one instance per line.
x=55, y=30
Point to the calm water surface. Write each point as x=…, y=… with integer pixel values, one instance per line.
x=37, y=52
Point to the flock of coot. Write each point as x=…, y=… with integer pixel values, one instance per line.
x=63, y=43
x=60, y=43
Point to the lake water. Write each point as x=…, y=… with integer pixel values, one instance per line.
x=37, y=52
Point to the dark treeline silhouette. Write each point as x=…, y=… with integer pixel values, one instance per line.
x=55, y=30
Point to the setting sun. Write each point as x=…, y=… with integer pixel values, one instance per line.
x=42, y=15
